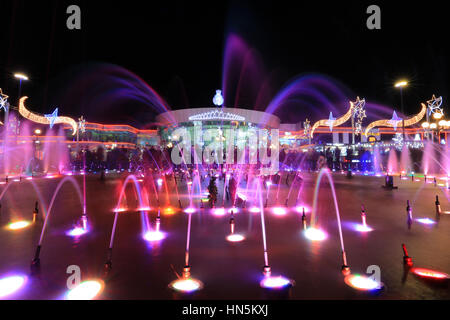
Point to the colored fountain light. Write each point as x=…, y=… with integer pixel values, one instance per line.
x=235, y=238
x=190, y=210
x=314, y=234
x=11, y=284
x=363, y=228
x=186, y=285
x=144, y=209
x=169, y=211
x=279, y=211
x=18, y=225
x=117, y=210
x=430, y=274
x=254, y=210
x=153, y=236
x=364, y=283
x=234, y=210
x=219, y=212
x=300, y=209
x=76, y=232
x=86, y=290
x=271, y=282
x=427, y=221
x=159, y=182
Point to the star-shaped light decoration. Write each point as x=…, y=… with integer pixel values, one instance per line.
x=394, y=121
x=359, y=112
x=434, y=105
x=52, y=117
x=307, y=126
x=82, y=124
x=3, y=100
x=331, y=121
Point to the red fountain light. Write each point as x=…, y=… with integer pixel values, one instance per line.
x=430, y=274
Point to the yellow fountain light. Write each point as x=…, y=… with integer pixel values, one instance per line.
x=44, y=120
x=389, y=123
x=18, y=225
x=401, y=84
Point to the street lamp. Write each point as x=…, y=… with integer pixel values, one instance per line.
x=401, y=84
x=21, y=78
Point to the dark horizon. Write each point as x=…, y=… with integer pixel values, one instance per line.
x=177, y=48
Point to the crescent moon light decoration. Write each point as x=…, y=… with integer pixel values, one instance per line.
x=389, y=123
x=45, y=120
x=335, y=123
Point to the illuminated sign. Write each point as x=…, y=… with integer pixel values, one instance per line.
x=49, y=119
x=216, y=115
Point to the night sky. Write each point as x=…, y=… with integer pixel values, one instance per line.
x=177, y=48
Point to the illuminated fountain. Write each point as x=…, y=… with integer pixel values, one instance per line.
x=143, y=208
x=423, y=273
x=269, y=281
x=315, y=234
x=36, y=261
x=186, y=283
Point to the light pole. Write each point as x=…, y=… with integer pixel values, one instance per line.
x=21, y=78
x=401, y=84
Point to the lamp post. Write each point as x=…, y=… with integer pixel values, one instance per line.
x=21, y=78
x=401, y=84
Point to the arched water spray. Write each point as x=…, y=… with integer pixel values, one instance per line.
x=36, y=259
x=134, y=180
x=36, y=191
x=326, y=172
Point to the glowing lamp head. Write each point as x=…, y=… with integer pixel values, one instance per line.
x=86, y=290
x=363, y=283
x=19, y=225
x=433, y=125
x=20, y=76
x=314, y=234
x=401, y=84
x=10, y=285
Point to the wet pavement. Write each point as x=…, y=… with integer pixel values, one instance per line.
x=141, y=270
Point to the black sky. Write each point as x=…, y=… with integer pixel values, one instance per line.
x=177, y=47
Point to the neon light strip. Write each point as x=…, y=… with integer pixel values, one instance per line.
x=388, y=123
x=336, y=123
x=43, y=120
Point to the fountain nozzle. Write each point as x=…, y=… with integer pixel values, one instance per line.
x=345, y=268
x=409, y=214
x=186, y=272
x=438, y=206
x=304, y=219
x=267, y=271
x=407, y=260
